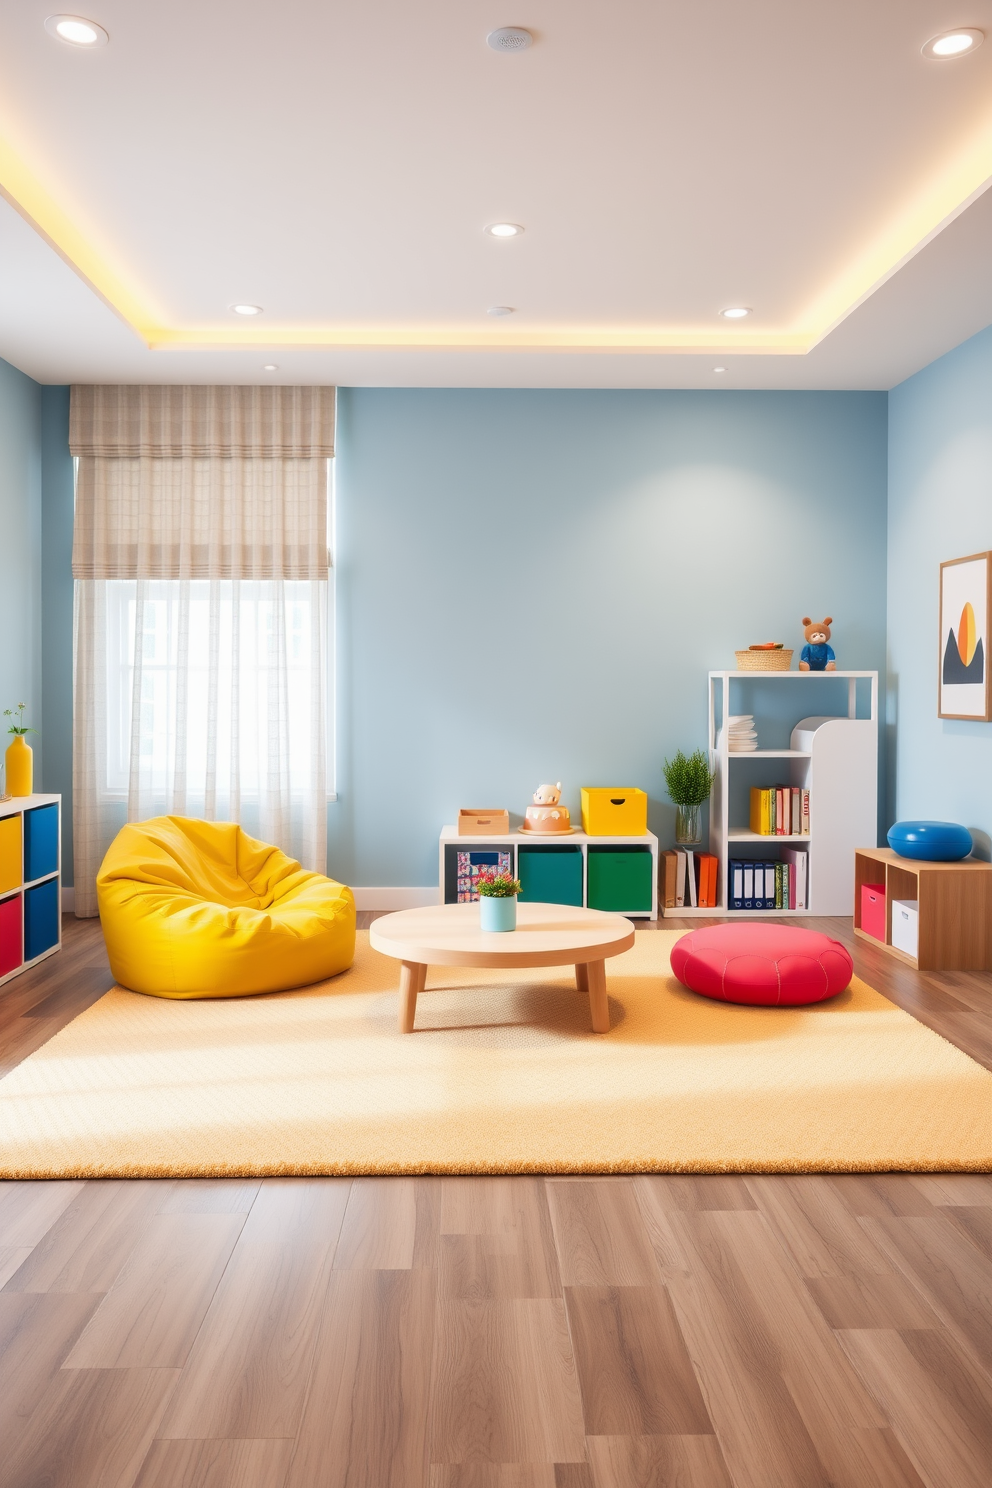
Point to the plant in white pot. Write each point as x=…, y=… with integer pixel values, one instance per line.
x=689, y=780
x=497, y=901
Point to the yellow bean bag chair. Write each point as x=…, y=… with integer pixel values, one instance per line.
x=200, y=909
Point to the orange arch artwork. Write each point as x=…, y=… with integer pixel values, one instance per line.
x=965, y=611
x=967, y=635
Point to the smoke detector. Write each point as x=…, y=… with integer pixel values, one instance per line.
x=509, y=39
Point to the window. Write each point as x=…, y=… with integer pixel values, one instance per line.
x=201, y=552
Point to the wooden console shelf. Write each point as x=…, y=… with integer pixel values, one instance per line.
x=955, y=902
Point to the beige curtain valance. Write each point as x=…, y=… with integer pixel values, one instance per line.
x=172, y=422
x=201, y=482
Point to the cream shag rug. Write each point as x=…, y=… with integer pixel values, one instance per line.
x=503, y=1075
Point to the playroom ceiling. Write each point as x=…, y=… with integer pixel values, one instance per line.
x=338, y=165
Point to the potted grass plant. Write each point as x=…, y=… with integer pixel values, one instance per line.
x=689, y=780
x=497, y=901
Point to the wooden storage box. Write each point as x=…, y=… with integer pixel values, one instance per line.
x=482, y=821
x=954, y=902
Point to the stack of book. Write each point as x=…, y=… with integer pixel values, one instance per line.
x=688, y=879
x=780, y=811
x=768, y=885
x=742, y=737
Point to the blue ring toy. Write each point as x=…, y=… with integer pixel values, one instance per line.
x=930, y=841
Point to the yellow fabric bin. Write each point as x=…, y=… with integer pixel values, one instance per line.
x=200, y=909
x=614, y=811
x=11, y=875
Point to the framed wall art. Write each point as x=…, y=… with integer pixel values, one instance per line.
x=965, y=606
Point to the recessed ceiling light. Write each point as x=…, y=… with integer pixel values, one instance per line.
x=509, y=39
x=736, y=312
x=719, y=369
x=271, y=367
x=500, y=310
x=247, y=309
x=504, y=229
x=76, y=31
x=953, y=44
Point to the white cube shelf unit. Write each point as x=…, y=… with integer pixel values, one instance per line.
x=834, y=757
x=30, y=882
x=610, y=884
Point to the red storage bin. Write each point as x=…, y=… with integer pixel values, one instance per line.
x=11, y=935
x=873, y=910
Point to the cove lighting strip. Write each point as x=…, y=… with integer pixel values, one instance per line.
x=963, y=179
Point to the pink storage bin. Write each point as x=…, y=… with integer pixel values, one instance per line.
x=873, y=910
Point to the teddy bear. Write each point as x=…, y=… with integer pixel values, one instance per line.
x=816, y=655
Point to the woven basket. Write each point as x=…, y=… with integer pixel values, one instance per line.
x=763, y=661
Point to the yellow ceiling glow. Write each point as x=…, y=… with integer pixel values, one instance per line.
x=28, y=197
x=937, y=203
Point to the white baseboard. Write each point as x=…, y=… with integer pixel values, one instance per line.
x=364, y=899
x=395, y=898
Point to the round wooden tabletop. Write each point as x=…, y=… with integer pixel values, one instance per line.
x=546, y=935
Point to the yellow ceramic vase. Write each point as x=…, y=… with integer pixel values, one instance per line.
x=19, y=761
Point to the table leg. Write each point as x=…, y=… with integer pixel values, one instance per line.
x=582, y=977
x=599, y=1005
x=413, y=975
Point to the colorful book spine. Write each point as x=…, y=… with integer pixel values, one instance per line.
x=779, y=811
x=668, y=873
x=798, y=861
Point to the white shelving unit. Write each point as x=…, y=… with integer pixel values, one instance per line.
x=511, y=841
x=834, y=757
x=30, y=882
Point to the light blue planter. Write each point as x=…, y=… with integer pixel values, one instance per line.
x=498, y=914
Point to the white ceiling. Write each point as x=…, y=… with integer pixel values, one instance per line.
x=337, y=165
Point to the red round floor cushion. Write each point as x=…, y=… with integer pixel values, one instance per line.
x=765, y=965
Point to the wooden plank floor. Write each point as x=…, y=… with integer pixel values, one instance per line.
x=592, y=1332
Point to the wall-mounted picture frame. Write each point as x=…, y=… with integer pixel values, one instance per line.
x=963, y=689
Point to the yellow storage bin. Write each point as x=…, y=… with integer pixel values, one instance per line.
x=10, y=852
x=614, y=811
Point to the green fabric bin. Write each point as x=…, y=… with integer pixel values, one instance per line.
x=620, y=879
x=550, y=875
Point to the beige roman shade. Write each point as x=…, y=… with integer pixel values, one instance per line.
x=201, y=482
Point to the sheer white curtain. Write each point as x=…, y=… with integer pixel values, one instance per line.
x=201, y=567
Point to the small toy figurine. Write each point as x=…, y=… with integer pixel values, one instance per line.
x=546, y=815
x=816, y=655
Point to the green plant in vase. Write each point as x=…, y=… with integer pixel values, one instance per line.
x=688, y=780
x=497, y=901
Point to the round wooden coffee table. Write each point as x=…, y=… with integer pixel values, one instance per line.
x=546, y=935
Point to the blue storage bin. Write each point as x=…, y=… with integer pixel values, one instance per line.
x=930, y=841
x=550, y=875
x=41, y=842
x=41, y=918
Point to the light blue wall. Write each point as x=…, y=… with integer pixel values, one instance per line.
x=940, y=507
x=56, y=621
x=532, y=586
x=20, y=549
